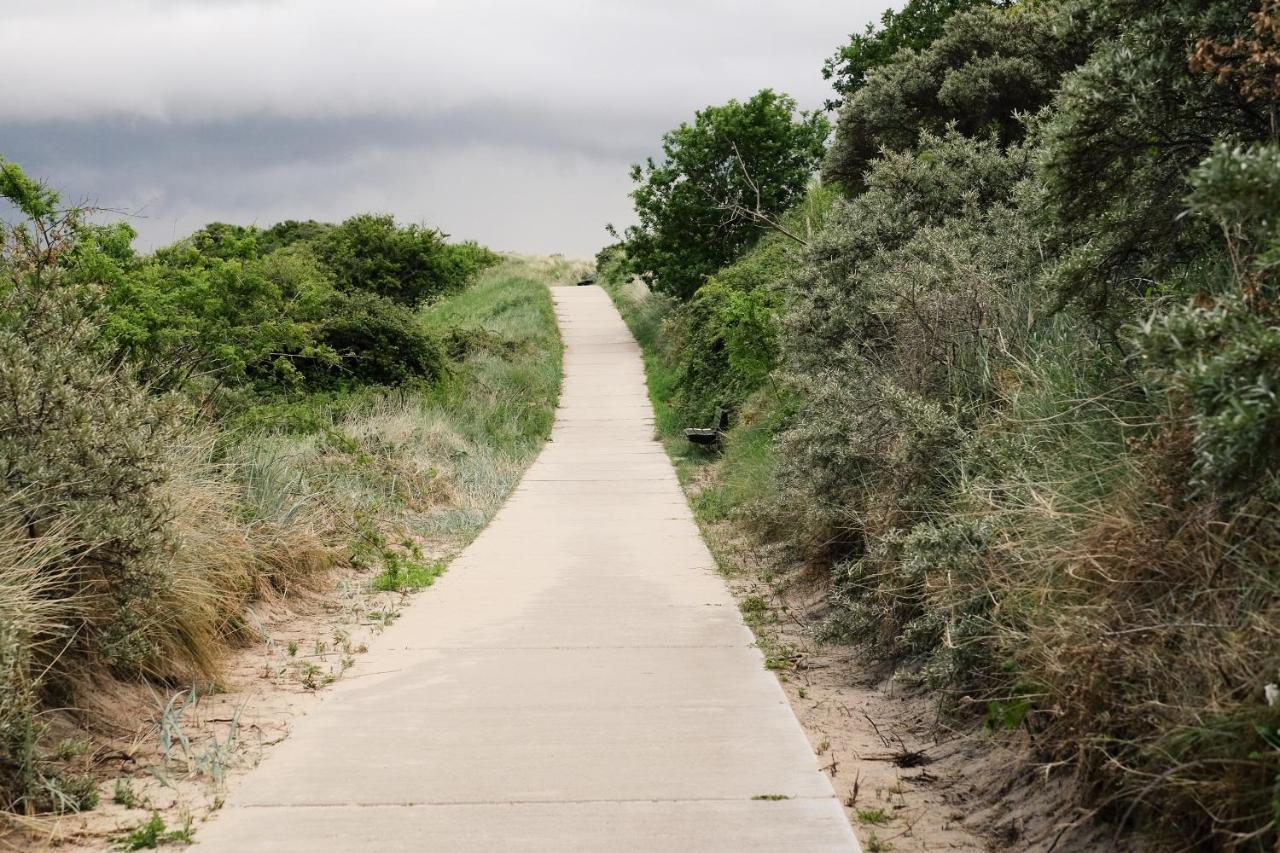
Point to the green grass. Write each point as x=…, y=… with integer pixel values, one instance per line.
x=644, y=313
x=505, y=398
x=124, y=795
x=877, y=845
x=407, y=576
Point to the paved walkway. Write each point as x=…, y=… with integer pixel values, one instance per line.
x=579, y=680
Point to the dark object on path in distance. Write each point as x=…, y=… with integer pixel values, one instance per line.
x=590, y=279
x=709, y=437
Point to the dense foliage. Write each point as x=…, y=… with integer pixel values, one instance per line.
x=234, y=311
x=721, y=181
x=406, y=264
x=915, y=26
x=1018, y=388
x=982, y=76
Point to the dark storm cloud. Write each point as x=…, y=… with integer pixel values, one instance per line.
x=266, y=140
x=509, y=122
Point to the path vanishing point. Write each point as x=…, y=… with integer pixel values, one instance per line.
x=579, y=680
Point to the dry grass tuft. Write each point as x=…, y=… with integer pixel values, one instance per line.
x=1150, y=644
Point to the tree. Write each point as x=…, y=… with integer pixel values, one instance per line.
x=917, y=26
x=723, y=180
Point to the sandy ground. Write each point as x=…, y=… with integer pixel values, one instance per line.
x=177, y=751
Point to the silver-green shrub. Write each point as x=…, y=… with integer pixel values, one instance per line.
x=83, y=446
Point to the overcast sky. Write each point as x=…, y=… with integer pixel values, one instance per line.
x=508, y=122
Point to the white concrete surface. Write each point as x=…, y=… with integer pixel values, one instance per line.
x=579, y=680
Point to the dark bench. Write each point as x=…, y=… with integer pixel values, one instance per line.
x=709, y=437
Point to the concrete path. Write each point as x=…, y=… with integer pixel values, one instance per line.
x=579, y=680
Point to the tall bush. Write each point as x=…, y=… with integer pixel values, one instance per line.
x=405, y=263
x=84, y=447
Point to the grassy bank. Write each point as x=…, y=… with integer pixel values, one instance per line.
x=407, y=475
x=199, y=437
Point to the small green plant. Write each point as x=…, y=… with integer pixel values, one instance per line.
x=154, y=833
x=875, y=844
x=873, y=816
x=293, y=648
x=124, y=795
x=383, y=618
x=313, y=677
x=1007, y=715
x=772, y=797
x=71, y=794
x=403, y=574
x=69, y=749
x=754, y=610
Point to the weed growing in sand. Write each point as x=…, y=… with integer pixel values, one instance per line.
x=154, y=833
x=124, y=795
x=874, y=844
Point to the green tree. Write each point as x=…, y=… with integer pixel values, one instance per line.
x=292, y=231
x=379, y=342
x=916, y=26
x=722, y=180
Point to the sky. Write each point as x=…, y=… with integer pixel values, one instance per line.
x=512, y=123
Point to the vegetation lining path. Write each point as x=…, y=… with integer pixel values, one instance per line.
x=579, y=680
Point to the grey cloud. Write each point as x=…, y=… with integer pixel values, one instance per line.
x=510, y=122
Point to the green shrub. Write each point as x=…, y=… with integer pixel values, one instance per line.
x=85, y=526
x=724, y=341
x=727, y=349
x=208, y=313
x=1223, y=363
x=916, y=26
x=379, y=341
x=900, y=315
x=406, y=264
x=611, y=264
x=471, y=259
x=1218, y=357
x=1117, y=144
x=291, y=232
x=986, y=71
